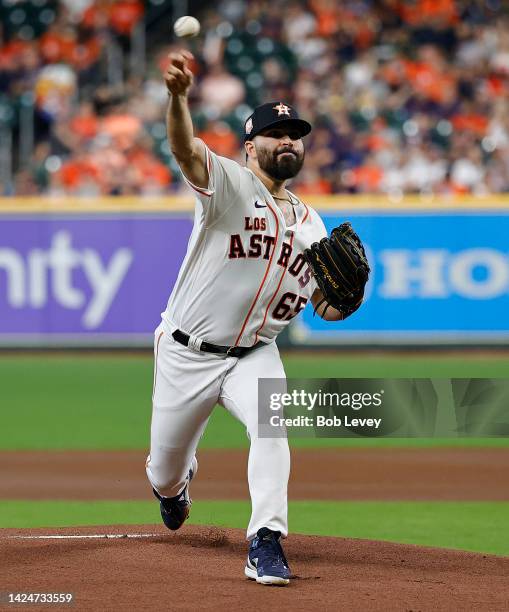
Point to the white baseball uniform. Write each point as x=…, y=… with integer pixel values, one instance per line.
x=243, y=279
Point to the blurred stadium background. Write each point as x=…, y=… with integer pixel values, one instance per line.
x=406, y=96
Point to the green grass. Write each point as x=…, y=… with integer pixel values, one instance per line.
x=468, y=365
x=474, y=526
x=95, y=401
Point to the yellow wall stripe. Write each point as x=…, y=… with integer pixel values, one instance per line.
x=377, y=203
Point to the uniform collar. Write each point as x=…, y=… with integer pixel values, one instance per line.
x=300, y=208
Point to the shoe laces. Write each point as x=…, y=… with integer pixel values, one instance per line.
x=268, y=542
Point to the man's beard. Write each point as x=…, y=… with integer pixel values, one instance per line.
x=280, y=167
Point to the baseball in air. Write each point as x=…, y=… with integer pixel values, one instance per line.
x=186, y=27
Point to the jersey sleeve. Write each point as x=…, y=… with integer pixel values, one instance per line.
x=223, y=187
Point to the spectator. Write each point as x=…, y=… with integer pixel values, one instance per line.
x=220, y=138
x=220, y=91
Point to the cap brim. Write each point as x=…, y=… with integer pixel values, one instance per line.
x=303, y=126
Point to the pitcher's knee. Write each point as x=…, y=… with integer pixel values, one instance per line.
x=167, y=479
x=279, y=445
x=269, y=452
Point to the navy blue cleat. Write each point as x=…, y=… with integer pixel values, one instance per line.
x=266, y=561
x=175, y=510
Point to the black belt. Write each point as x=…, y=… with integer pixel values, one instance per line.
x=207, y=347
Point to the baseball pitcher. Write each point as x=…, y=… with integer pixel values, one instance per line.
x=256, y=256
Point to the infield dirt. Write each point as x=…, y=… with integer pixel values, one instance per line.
x=456, y=474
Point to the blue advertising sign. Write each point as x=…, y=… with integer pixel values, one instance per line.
x=88, y=278
x=436, y=278
x=91, y=279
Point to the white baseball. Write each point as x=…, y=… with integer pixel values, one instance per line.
x=186, y=27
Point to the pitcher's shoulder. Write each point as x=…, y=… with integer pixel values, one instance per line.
x=309, y=216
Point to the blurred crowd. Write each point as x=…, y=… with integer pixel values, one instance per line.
x=405, y=96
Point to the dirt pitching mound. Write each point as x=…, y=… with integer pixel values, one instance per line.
x=202, y=568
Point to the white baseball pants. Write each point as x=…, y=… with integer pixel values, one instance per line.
x=187, y=386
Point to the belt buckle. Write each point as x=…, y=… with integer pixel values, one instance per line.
x=194, y=343
x=230, y=348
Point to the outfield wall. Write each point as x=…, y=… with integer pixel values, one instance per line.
x=98, y=272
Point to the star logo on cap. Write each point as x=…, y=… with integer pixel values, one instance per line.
x=282, y=109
